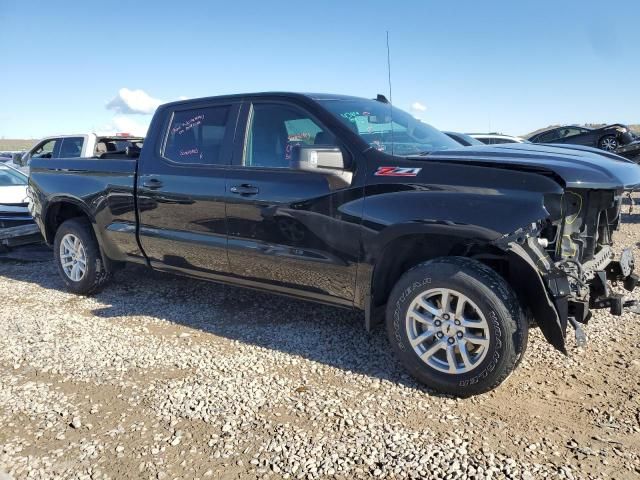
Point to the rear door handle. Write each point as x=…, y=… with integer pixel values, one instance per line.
x=244, y=189
x=152, y=184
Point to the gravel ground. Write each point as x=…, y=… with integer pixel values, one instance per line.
x=161, y=377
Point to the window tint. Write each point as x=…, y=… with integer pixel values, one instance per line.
x=570, y=132
x=274, y=130
x=71, y=147
x=486, y=141
x=549, y=136
x=197, y=135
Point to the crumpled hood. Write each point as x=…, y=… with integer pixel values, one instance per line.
x=578, y=167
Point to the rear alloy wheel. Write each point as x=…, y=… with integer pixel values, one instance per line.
x=456, y=325
x=78, y=257
x=73, y=258
x=608, y=143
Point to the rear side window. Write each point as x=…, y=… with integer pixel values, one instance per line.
x=197, y=136
x=71, y=147
x=549, y=136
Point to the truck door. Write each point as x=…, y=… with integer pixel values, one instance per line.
x=49, y=148
x=289, y=230
x=181, y=187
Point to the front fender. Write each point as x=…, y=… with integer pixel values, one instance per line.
x=432, y=231
x=526, y=280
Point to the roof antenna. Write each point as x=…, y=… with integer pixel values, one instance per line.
x=390, y=96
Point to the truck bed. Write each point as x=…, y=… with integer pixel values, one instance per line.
x=103, y=189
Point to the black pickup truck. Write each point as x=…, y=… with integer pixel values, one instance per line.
x=355, y=203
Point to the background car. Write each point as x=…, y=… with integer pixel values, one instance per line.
x=79, y=146
x=608, y=138
x=496, y=138
x=16, y=224
x=630, y=150
x=6, y=156
x=464, y=139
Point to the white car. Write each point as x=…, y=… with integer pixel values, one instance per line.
x=79, y=146
x=497, y=138
x=16, y=224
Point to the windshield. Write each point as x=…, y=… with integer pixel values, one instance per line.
x=10, y=177
x=389, y=129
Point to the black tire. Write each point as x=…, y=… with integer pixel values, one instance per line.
x=507, y=325
x=95, y=276
x=602, y=143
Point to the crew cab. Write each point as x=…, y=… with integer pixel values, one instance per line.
x=353, y=202
x=79, y=146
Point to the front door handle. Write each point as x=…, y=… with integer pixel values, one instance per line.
x=152, y=184
x=244, y=189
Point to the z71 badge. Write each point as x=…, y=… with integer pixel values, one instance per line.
x=397, y=172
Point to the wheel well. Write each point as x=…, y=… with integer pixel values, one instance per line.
x=404, y=253
x=57, y=214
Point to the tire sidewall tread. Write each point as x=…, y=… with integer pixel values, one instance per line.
x=491, y=293
x=96, y=276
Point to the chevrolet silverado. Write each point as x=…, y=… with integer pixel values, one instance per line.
x=355, y=203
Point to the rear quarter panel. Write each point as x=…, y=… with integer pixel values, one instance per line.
x=103, y=189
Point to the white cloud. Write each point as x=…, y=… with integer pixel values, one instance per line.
x=418, y=107
x=126, y=124
x=133, y=101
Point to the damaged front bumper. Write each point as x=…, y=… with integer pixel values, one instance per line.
x=558, y=296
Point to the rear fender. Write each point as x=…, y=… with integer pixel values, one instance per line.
x=53, y=207
x=58, y=203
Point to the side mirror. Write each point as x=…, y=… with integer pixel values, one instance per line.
x=317, y=157
x=18, y=159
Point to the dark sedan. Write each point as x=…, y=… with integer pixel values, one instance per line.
x=606, y=138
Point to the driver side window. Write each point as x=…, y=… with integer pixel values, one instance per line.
x=275, y=129
x=47, y=149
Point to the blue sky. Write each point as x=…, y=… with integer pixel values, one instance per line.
x=506, y=66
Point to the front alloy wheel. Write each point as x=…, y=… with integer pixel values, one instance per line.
x=447, y=331
x=456, y=325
